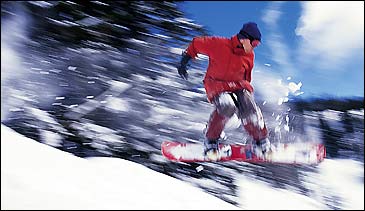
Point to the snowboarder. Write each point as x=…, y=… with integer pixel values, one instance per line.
x=227, y=84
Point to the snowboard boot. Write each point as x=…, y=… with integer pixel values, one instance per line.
x=211, y=149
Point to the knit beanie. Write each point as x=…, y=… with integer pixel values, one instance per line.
x=249, y=30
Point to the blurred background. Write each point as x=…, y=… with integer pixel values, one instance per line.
x=99, y=79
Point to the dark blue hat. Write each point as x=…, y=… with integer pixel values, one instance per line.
x=251, y=31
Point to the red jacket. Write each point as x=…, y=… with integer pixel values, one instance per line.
x=229, y=66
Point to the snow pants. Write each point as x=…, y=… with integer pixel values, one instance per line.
x=243, y=105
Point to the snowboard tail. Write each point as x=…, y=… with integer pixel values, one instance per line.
x=295, y=153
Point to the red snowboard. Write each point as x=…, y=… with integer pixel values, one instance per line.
x=296, y=153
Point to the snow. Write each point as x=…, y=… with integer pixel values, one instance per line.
x=44, y=116
x=191, y=94
x=37, y=176
x=90, y=21
x=331, y=114
x=51, y=138
x=293, y=87
x=273, y=198
x=273, y=88
x=178, y=51
x=359, y=113
x=346, y=181
x=41, y=4
x=188, y=22
x=117, y=104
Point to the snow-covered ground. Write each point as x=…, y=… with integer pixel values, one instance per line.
x=37, y=176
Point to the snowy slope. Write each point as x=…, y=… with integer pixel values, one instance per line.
x=37, y=176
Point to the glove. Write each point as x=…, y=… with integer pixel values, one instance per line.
x=181, y=69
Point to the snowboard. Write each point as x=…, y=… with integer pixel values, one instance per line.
x=292, y=153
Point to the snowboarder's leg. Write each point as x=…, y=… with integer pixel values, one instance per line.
x=224, y=110
x=252, y=119
x=250, y=115
x=215, y=125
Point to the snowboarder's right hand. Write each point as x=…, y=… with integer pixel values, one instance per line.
x=182, y=72
x=183, y=66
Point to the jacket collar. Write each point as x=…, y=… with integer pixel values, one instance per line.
x=237, y=46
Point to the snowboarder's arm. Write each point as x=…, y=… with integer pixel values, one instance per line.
x=201, y=45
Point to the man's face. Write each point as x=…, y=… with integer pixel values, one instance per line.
x=249, y=45
x=246, y=44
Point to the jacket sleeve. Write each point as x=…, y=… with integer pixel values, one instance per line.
x=202, y=45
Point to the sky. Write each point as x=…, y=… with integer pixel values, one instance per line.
x=38, y=176
x=318, y=44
